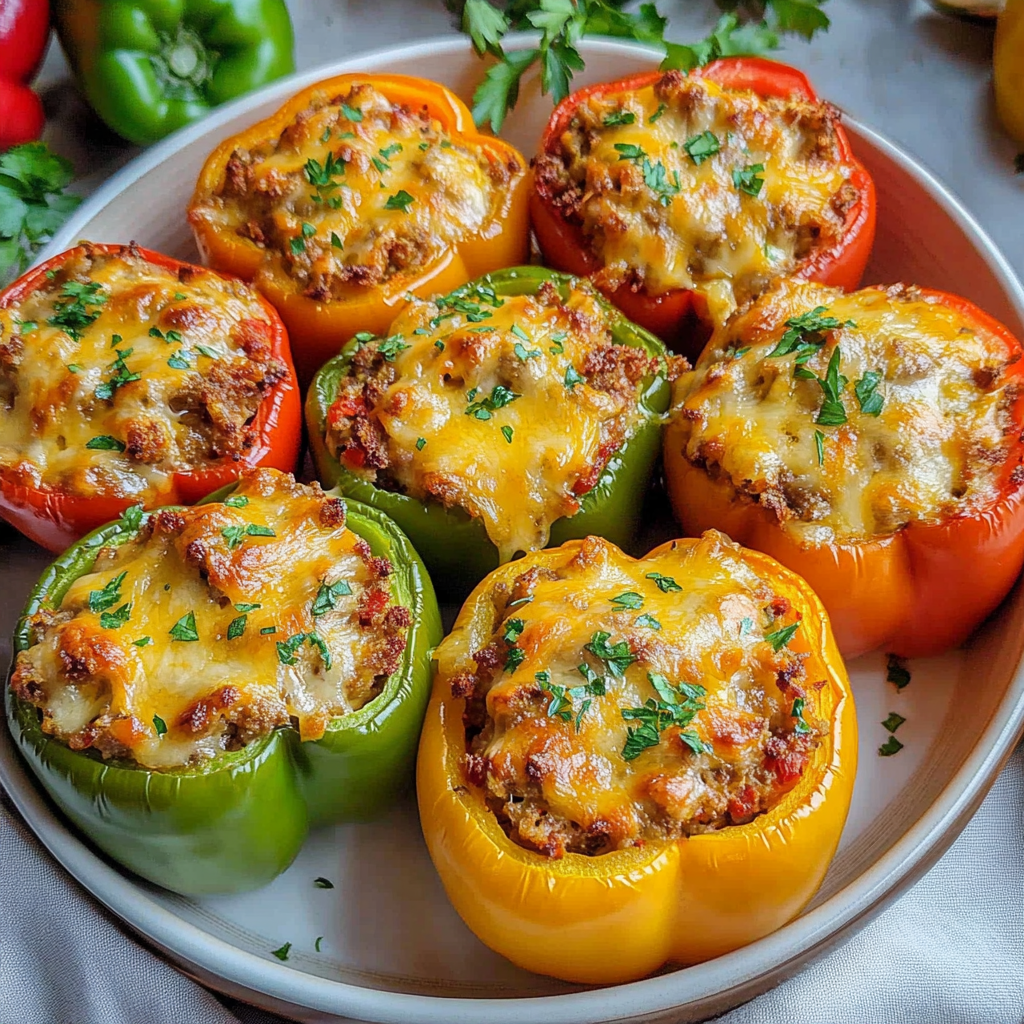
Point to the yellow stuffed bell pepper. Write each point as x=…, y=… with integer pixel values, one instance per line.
x=628, y=763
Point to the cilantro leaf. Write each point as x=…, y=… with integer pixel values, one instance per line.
x=108, y=596
x=702, y=147
x=160, y=725
x=781, y=637
x=185, y=628
x=629, y=599
x=747, y=179
x=832, y=412
x=401, y=200
x=664, y=583
x=866, y=390
x=327, y=597
x=116, y=619
x=617, y=657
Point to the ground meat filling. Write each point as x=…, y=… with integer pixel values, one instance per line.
x=538, y=382
x=358, y=190
x=602, y=751
x=683, y=184
x=119, y=373
x=117, y=669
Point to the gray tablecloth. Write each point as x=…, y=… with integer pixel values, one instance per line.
x=952, y=949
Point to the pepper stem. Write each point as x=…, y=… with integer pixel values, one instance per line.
x=183, y=65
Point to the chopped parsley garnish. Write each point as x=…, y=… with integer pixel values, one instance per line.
x=287, y=649
x=746, y=179
x=160, y=725
x=297, y=245
x=380, y=165
x=354, y=114
x=390, y=347
x=572, y=377
x=316, y=945
x=154, y=332
x=513, y=630
x=657, y=180
x=507, y=432
x=268, y=630
x=732, y=352
x=664, y=583
x=105, y=443
x=866, y=390
x=26, y=326
x=131, y=517
x=174, y=336
x=657, y=114
x=401, y=200
x=890, y=746
x=617, y=117
x=389, y=151
x=308, y=231
x=805, y=334
x=893, y=722
x=523, y=353
x=180, y=296
x=629, y=599
x=122, y=376
x=101, y=600
x=244, y=607
x=235, y=534
x=323, y=883
x=326, y=599
x=746, y=625
x=185, y=628
x=143, y=641
x=801, y=725
x=282, y=952
x=208, y=352
x=116, y=619
x=648, y=620
x=439, y=345
x=780, y=637
x=819, y=444
x=236, y=627
x=628, y=151
x=79, y=309
x=325, y=135
x=896, y=672
x=336, y=242
x=256, y=530
x=514, y=659
x=75, y=367
x=677, y=706
x=704, y=146
x=236, y=501
x=557, y=347
x=421, y=443
x=562, y=697
x=832, y=412
x=616, y=657
x=499, y=397
x=179, y=361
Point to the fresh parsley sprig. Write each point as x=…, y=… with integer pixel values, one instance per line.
x=678, y=705
x=752, y=27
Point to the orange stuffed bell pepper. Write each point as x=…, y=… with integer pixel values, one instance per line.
x=134, y=379
x=686, y=195
x=358, y=191
x=628, y=763
x=871, y=442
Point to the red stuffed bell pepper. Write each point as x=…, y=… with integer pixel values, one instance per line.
x=686, y=195
x=24, y=31
x=127, y=378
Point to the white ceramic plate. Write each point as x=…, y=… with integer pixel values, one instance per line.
x=392, y=948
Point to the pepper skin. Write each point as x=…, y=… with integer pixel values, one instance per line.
x=320, y=329
x=680, y=317
x=619, y=916
x=1008, y=68
x=55, y=519
x=24, y=33
x=235, y=822
x=915, y=592
x=150, y=68
x=455, y=546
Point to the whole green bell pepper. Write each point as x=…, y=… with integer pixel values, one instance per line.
x=234, y=822
x=455, y=546
x=149, y=67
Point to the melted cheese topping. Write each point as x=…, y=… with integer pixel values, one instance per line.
x=938, y=445
x=216, y=625
x=121, y=373
x=590, y=653
x=358, y=190
x=491, y=408
x=664, y=183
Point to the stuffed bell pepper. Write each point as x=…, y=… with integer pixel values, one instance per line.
x=686, y=195
x=360, y=190
x=128, y=377
x=871, y=442
x=195, y=687
x=517, y=409
x=628, y=763
x=148, y=68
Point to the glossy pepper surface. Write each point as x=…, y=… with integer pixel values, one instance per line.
x=321, y=328
x=915, y=592
x=1008, y=68
x=455, y=546
x=235, y=821
x=619, y=916
x=148, y=67
x=54, y=518
x=680, y=316
x=24, y=33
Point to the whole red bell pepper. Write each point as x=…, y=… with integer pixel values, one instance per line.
x=680, y=316
x=24, y=33
x=55, y=518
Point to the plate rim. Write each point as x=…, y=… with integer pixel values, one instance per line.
x=843, y=912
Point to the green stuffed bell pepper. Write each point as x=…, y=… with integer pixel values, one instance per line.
x=149, y=67
x=518, y=410
x=196, y=687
